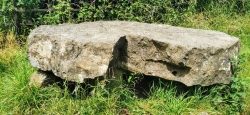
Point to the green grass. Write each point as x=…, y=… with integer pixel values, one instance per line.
x=171, y=98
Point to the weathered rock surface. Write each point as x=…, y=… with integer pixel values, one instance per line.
x=88, y=50
x=43, y=78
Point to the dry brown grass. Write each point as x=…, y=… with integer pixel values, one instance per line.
x=7, y=40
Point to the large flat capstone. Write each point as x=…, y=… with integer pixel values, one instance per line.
x=92, y=49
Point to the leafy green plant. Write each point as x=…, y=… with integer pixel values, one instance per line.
x=62, y=13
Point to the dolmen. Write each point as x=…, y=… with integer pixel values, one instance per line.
x=77, y=52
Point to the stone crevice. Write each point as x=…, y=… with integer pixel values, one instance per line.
x=176, y=70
